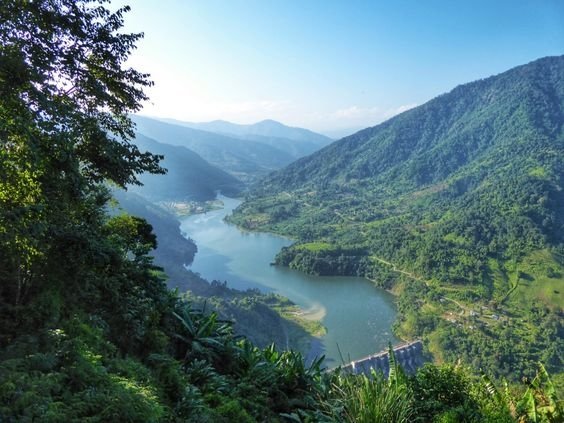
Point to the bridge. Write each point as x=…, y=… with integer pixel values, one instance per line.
x=409, y=355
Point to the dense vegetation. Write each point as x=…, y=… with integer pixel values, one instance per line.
x=173, y=250
x=457, y=205
x=88, y=329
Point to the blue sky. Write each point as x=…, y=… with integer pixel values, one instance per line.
x=328, y=65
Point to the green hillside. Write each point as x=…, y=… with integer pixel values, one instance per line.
x=89, y=331
x=188, y=177
x=459, y=199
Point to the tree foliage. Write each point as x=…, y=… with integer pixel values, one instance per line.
x=88, y=329
x=64, y=130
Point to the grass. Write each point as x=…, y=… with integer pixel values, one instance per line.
x=316, y=246
x=500, y=279
x=538, y=172
x=374, y=400
x=540, y=278
x=294, y=313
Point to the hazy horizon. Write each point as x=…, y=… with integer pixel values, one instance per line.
x=331, y=67
x=335, y=134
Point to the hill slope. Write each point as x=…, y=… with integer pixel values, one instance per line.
x=462, y=194
x=245, y=159
x=189, y=176
x=489, y=152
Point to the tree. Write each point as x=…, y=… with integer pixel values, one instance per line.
x=62, y=67
x=65, y=97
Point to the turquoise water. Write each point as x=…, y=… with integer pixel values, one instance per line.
x=358, y=316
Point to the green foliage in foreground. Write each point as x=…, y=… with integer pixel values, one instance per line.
x=88, y=330
x=202, y=373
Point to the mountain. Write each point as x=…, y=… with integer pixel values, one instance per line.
x=245, y=159
x=297, y=142
x=189, y=176
x=265, y=128
x=461, y=198
x=490, y=151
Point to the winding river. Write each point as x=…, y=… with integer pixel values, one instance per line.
x=357, y=315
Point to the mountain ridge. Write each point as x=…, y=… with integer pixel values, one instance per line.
x=271, y=139
x=188, y=177
x=347, y=144
x=265, y=127
x=448, y=147
x=460, y=199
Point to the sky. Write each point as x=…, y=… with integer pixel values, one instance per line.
x=330, y=66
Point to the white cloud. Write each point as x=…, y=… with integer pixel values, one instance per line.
x=192, y=100
x=352, y=118
x=369, y=115
x=400, y=109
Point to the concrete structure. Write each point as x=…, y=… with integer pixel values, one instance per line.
x=409, y=356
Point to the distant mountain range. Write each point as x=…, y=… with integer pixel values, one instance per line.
x=247, y=152
x=188, y=177
x=266, y=128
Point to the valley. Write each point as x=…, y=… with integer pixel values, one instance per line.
x=212, y=264
x=456, y=206
x=405, y=222
x=356, y=316
x=246, y=152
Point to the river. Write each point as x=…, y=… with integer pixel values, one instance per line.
x=357, y=315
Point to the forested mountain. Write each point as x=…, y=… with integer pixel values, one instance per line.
x=296, y=149
x=188, y=177
x=464, y=193
x=245, y=159
x=265, y=128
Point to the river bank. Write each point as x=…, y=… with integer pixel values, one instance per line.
x=357, y=315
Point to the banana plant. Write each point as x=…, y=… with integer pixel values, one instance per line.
x=540, y=403
x=203, y=336
x=396, y=375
